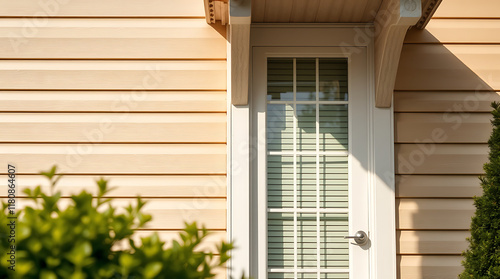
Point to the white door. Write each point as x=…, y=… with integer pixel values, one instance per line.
x=310, y=127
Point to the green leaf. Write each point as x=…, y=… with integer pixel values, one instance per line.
x=102, y=184
x=49, y=174
x=47, y=274
x=152, y=269
x=79, y=252
x=78, y=275
x=126, y=261
x=53, y=262
x=140, y=203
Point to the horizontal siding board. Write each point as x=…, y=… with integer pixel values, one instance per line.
x=440, y=158
x=112, y=127
x=476, y=101
x=470, y=31
x=114, y=48
x=96, y=8
x=112, y=101
x=123, y=39
x=432, y=242
x=158, y=186
x=448, y=67
x=437, y=186
x=169, y=214
x=429, y=267
x=115, y=27
x=119, y=75
x=468, y=9
x=172, y=214
x=442, y=127
x=87, y=158
x=434, y=214
x=208, y=244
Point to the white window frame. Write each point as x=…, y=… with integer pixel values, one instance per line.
x=241, y=215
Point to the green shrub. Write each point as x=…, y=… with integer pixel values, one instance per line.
x=76, y=242
x=482, y=259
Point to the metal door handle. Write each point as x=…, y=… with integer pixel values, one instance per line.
x=361, y=238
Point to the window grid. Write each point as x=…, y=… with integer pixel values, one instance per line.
x=317, y=153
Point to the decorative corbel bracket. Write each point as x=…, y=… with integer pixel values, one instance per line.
x=393, y=20
x=216, y=10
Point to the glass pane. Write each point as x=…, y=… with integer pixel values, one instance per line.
x=279, y=181
x=334, y=250
x=280, y=127
x=306, y=181
x=280, y=275
x=333, y=79
x=306, y=240
x=333, y=172
x=306, y=79
x=335, y=275
x=333, y=130
x=280, y=79
x=280, y=240
x=306, y=127
x=307, y=276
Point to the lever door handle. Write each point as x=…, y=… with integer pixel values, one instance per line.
x=361, y=238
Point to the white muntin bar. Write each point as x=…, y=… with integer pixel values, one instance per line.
x=310, y=270
x=308, y=102
x=295, y=167
x=310, y=210
x=318, y=229
x=311, y=153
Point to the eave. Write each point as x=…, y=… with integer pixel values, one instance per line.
x=391, y=19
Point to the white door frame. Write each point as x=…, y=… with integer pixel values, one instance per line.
x=380, y=169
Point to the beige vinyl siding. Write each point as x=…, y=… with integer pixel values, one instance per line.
x=134, y=91
x=428, y=266
x=111, y=39
x=129, y=186
x=143, y=127
x=446, y=82
x=113, y=75
x=97, y=8
x=170, y=214
x=433, y=101
x=464, y=9
x=112, y=101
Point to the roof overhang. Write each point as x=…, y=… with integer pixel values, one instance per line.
x=391, y=18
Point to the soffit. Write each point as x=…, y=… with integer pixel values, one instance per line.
x=314, y=11
x=326, y=11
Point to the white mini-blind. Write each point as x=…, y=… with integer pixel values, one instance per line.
x=307, y=168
